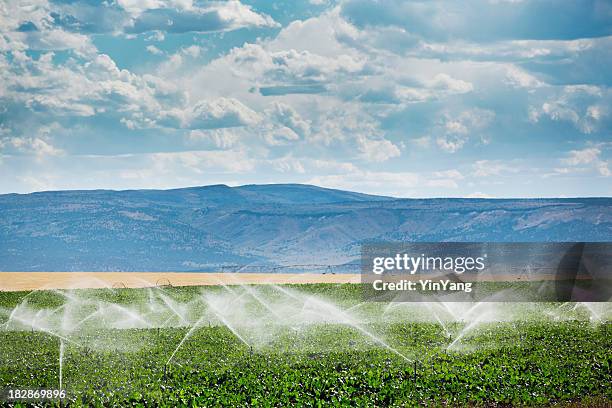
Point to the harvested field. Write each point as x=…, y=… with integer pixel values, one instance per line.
x=17, y=281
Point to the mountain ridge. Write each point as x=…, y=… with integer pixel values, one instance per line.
x=206, y=227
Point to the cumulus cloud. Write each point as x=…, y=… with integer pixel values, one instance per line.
x=277, y=135
x=488, y=168
x=447, y=179
x=585, y=106
x=134, y=16
x=38, y=143
x=290, y=68
x=589, y=157
x=225, y=121
x=447, y=83
x=520, y=78
x=34, y=145
x=377, y=150
x=351, y=86
x=222, y=112
x=584, y=156
x=456, y=130
x=286, y=116
x=48, y=40
x=84, y=88
x=218, y=16
x=224, y=138
x=287, y=164
x=437, y=87
x=478, y=194
x=218, y=113
x=154, y=50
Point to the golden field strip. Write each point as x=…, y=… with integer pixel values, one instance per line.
x=16, y=281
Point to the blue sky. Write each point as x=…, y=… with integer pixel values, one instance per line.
x=483, y=98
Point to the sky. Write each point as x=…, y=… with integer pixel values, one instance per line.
x=482, y=98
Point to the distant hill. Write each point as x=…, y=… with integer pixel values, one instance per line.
x=201, y=228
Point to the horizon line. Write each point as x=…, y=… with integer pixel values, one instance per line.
x=305, y=185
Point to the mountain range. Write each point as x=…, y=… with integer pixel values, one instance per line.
x=264, y=226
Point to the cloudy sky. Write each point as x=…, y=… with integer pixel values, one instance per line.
x=483, y=98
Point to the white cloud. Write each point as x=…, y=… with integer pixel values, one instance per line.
x=193, y=51
x=236, y=14
x=205, y=114
x=423, y=141
x=446, y=179
x=156, y=36
x=447, y=83
x=322, y=87
x=334, y=166
x=339, y=123
x=589, y=157
x=478, y=194
x=585, y=106
x=287, y=164
x=286, y=116
x=222, y=112
x=154, y=50
x=442, y=183
x=453, y=174
x=137, y=7
x=48, y=40
x=34, y=145
x=521, y=79
x=377, y=150
x=603, y=168
x=65, y=25
x=215, y=16
x=450, y=143
x=488, y=168
x=277, y=135
x=231, y=161
x=224, y=138
x=39, y=142
x=290, y=66
x=584, y=156
x=76, y=88
x=502, y=51
x=456, y=130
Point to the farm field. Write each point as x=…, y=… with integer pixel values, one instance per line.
x=22, y=281
x=309, y=344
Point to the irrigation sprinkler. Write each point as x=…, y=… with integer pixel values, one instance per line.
x=61, y=358
x=119, y=285
x=163, y=283
x=257, y=316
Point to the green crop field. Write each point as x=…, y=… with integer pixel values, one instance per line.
x=301, y=345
